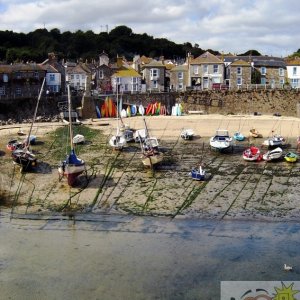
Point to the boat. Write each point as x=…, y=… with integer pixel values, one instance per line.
x=24, y=157
x=187, y=134
x=14, y=144
x=252, y=154
x=198, y=174
x=238, y=136
x=31, y=140
x=118, y=141
x=274, y=154
x=72, y=166
x=274, y=141
x=150, y=152
x=291, y=157
x=221, y=140
x=298, y=143
x=254, y=133
x=78, y=139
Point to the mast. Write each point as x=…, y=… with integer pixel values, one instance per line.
x=70, y=119
x=34, y=115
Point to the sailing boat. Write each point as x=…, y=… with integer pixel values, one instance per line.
x=151, y=155
x=72, y=166
x=23, y=156
x=118, y=141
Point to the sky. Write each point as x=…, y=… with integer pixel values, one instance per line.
x=235, y=26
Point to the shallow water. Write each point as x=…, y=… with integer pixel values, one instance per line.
x=121, y=257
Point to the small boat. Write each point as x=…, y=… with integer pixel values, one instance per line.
x=31, y=139
x=72, y=166
x=221, y=140
x=25, y=159
x=274, y=141
x=198, y=174
x=78, y=139
x=118, y=141
x=20, y=132
x=274, y=154
x=298, y=143
x=238, y=136
x=291, y=157
x=187, y=134
x=14, y=144
x=254, y=133
x=252, y=154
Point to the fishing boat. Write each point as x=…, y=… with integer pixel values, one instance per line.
x=238, y=136
x=198, y=174
x=274, y=141
x=291, y=157
x=252, y=154
x=118, y=141
x=254, y=133
x=72, y=166
x=221, y=140
x=150, y=152
x=187, y=134
x=24, y=156
x=274, y=154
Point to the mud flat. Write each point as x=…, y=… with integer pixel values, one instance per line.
x=118, y=183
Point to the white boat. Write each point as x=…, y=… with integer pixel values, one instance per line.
x=72, y=166
x=273, y=154
x=187, y=134
x=78, y=139
x=221, y=140
x=118, y=141
x=274, y=141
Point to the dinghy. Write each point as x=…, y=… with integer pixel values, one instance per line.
x=252, y=154
x=254, y=133
x=291, y=157
x=78, y=139
x=187, y=134
x=274, y=154
x=198, y=174
x=238, y=136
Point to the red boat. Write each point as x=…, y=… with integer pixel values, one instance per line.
x=252, y=154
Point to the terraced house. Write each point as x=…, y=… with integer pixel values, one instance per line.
x=206, y=71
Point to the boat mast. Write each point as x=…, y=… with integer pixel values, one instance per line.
x=34, y=115
x=70, y=118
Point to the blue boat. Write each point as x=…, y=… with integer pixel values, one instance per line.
x=198, y=174
x=238, y=136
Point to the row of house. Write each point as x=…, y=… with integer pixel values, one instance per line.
x=143, y=74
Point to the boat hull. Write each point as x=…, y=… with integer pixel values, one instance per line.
x=196, y=175
x=151, y=160
x=117, y=142
x=252, y=154
x=71, y=172
x=275, y=154
x=25, y=159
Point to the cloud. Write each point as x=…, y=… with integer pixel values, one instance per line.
x=224, y=25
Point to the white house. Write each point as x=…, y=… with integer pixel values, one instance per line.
x=293, y=72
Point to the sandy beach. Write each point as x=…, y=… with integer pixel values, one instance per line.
x=118, y=183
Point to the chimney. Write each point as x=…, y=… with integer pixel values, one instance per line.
x=119, y=62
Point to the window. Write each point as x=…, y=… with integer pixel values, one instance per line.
x=263, y=81
x=180, y=86
x=154, y=73
x=263, y=71
x=239, y=81
x=36, y=74
x=205, y=69
x=72, y=77
x=154, y=83
x=135, y=87
x=134, y=80
x=101, y=74
x=18, y=91
x=281, y=72
x=125, y=87
x=83, y=77
x=18, y=75
x=281, y=81
x=216, y=69
x=294, y=70
x=180, y=75
x=77, y=76
x=196, y=71
x=239, y=71
x=5, y=78
x=2, y=91
x=118, y=79
x=51, y=77
x=295, y=82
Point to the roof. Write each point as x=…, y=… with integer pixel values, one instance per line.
x=206, y=58
x=155, y=64
x=240, y=62
x=180, y=68
x=258, y=61
x=79, y=69
x=126, y=72
x=49, y=68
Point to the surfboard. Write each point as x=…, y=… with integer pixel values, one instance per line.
x=128, y=111
x=110, y=107
x=98, y=112
x=106, y=107
x=148, y=109
x=133, y=110
x=141, y=110
x=103, y=110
